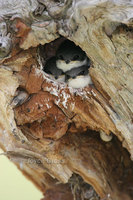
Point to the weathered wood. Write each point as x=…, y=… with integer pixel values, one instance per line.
x=53, y=132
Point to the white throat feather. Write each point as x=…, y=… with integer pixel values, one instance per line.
x=80, y=81
x=61, y=64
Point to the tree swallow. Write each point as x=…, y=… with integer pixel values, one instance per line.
x=70, y=56
x=78, y=77
x=54, y=72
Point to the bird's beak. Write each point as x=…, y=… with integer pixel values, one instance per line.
x=66, y=78
x=67, y=61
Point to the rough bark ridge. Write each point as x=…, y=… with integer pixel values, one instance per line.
x=54, y=131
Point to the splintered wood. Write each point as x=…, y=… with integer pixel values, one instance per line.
x=58, y=121
x=52, y=131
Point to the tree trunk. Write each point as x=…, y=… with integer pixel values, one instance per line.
x=51, y=131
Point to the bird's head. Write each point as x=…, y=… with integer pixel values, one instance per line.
x=69, y=56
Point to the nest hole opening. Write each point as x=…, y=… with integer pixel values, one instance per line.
x=66, y=62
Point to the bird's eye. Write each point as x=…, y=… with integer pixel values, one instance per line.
x=82, y=73
x=76, y=57
x=60, y=57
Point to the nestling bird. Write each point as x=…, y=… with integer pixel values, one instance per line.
x=51, y=69
x=70, y=56
x=73, y=61
x=70, y=65
x=78, y=77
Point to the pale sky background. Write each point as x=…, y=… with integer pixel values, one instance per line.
x=13, y=185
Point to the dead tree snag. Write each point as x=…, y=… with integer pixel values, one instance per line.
x=52, y=130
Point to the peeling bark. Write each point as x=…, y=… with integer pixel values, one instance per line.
x=53, y=132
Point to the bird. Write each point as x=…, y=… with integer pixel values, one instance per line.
x=69, y=56
x=73, y=61
x=54, y=72
x=78, y=77
x=82, y=70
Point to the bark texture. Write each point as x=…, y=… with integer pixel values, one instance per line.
x=53, y=132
